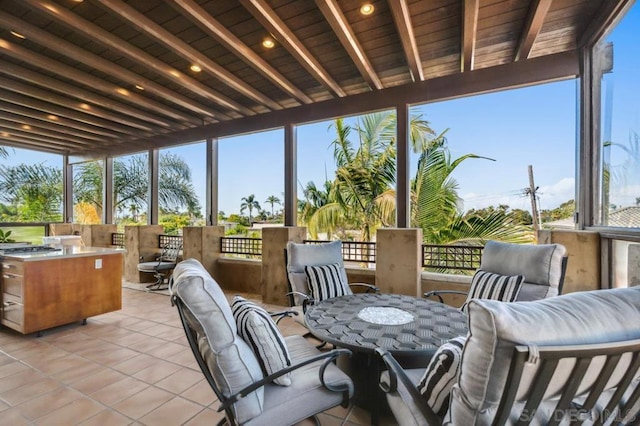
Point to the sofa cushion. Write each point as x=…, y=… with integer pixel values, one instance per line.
x=326, y=281
x=441, y=374
x=540, y=264
x=487, y=285
x=230, y=360
x=496, y=328
x=257, y=328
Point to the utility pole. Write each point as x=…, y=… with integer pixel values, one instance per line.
x=531, y=192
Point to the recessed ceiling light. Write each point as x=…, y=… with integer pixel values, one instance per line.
x=85, y=106
x=268, y=42
x=139, y=87
x=123, y=92
x=26, y=127
x=175, y=73
x=367, y=9
x=195, y=68
x=5, y=135
x=17, y=35
x=52, y=117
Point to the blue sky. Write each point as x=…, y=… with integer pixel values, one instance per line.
x=529, y=126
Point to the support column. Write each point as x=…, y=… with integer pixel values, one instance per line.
x=203, y=243
x=274, y=272
x=212, y=181
x=399, y=261
x=141, y=243
x=403, y=180
x=290, y=175
x=153, y=215
x=107, y=188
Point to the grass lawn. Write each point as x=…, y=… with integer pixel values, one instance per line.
x=31, y=234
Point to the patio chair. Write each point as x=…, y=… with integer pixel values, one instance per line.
x=542, y=269
x=570, y=359
x=163, y=265
x=322, y=263
x=233, y=369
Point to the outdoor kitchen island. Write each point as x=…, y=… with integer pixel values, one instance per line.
x=45, y=289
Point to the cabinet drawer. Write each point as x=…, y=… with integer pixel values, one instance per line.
x=12, y=284
x=12, y=311
x=13, y=267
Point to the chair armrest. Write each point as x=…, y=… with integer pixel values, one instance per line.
x=329, y=357
x=370, y=288
x=437, y=293
x=306, y=299
x=283, y=314
x=397, y=376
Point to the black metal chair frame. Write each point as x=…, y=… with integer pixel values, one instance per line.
x=226, y=403
x=169, y=254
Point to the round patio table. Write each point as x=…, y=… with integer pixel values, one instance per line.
x=410, y=328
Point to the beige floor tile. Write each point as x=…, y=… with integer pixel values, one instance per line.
x=97, y=381
x=157, y=371
x=135, y=364
x=29, y=391
x=71, y=414
x=45, y=404
x=14, y=417
x=180, y=381
x=107, y=418
x=12, y=368
x=143, y=402
x=176, y=411
x=83, y=369
x=119, y=391
x=205, y=417
x=201, y=393
x=22, y=378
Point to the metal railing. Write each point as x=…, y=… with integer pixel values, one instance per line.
x=447, y=257
x=117, y=239
x=164, y=240
x=354, y=251
x=241, y=246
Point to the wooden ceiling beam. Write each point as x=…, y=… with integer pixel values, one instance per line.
x=402, y=19
x=62, y=121
x=66, y=71
x=264, y=14
x=52, y=124
x=215, y=29
x=83, y=95
x=609, y=14
x=183, y=49
x=35, y=136
x=43, y=95
x=139, y=56
x=333, y=14
x=470, y=11
x=44, y=134
x=24, y=143
x=537, y=12
x=46, y=107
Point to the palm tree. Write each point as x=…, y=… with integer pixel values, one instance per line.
x=250, y=203
x=362, y=193
x=272, y=199
x=3, y=152
x=35, y=190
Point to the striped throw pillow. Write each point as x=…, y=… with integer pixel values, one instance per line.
x=258, y=329
x=326, y=281
x=441, y=374
x=487, y=285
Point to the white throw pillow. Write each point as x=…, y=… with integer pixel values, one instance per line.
x=258, y=329
x=441, y=374
x=487, y=285
x=326, y=281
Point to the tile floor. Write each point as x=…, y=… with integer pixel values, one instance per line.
x=130, y=367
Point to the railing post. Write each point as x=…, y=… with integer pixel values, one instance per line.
x=203, y=243
x=399, y=261
x=274, y=273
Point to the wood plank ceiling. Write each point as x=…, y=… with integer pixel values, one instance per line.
x=106, y=76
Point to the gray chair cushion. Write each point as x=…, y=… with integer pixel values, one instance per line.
x=300, y=255
x=305, y=381
x=402, y=406
x=495, y=328
x=230, y=360
x=540, y=264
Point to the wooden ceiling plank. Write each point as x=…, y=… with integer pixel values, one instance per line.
x=609, y=14
x=28, y=102
x=332, y=13
x=535, y=19
x=470, y=11
x=24, y=143
x=63, y=121
x=83, y=95
x=244, y=52
x=183, y=49
x=43, y=95
x=41, y=132
x=402, y=19
x=107, y=39
x=88, y=80
x=35, y=136
x=51, y=124
x=276, y=26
